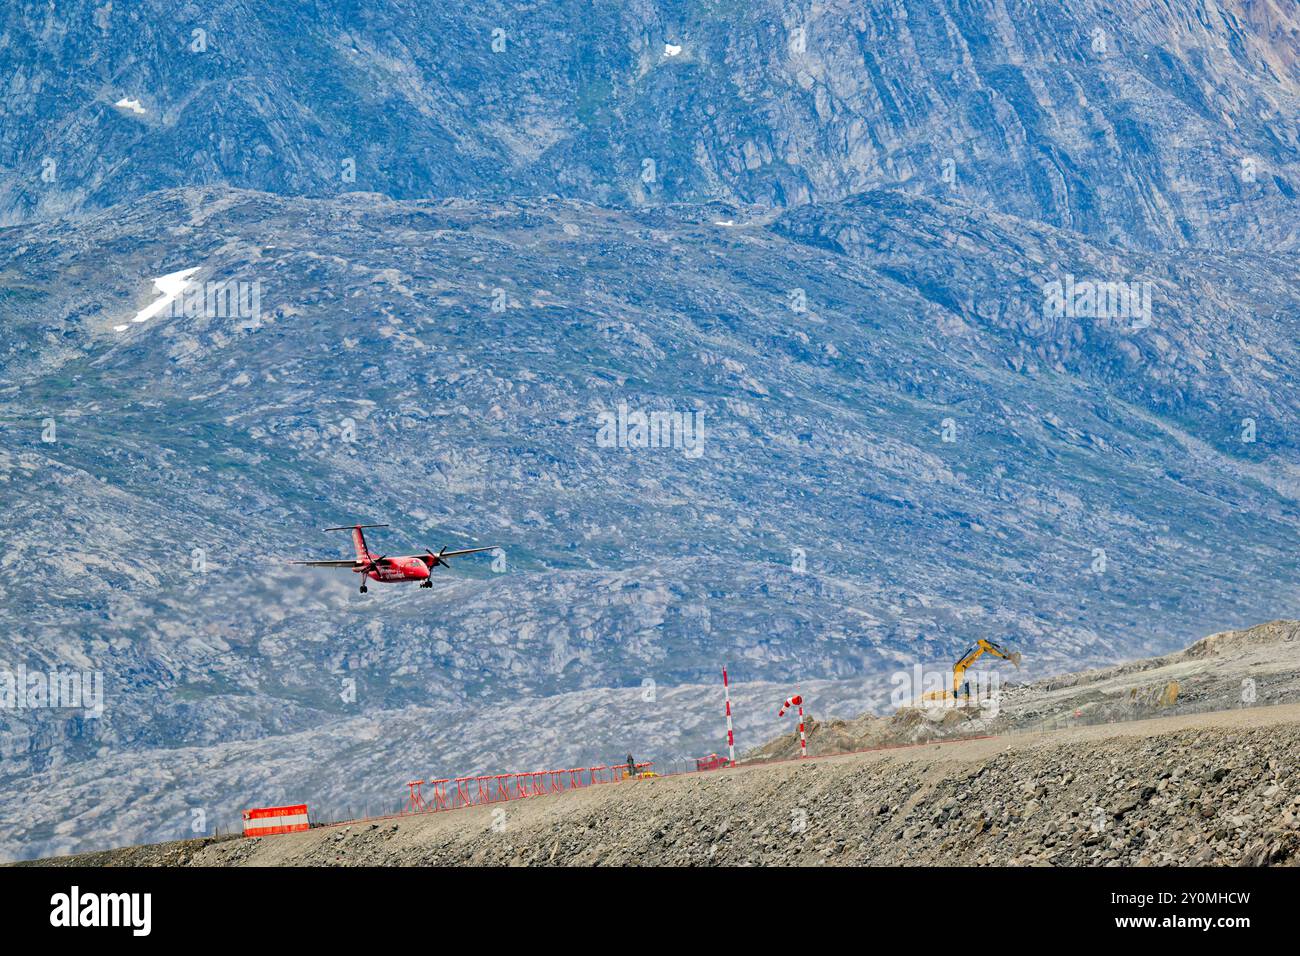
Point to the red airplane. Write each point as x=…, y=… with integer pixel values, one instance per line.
x=380, y=567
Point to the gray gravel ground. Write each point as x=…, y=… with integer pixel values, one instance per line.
x=1203, y=789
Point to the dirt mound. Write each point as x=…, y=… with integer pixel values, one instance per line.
x=1259, y=664
x=908, y=725
x=1233, y=642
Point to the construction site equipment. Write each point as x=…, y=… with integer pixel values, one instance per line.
x=711, y=762
x=416, y=800
x=974, y=653
x=640, y=771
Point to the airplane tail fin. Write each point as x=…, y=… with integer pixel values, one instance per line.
x=359, y=544
x=359, y=539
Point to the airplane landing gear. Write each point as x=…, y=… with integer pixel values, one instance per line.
x=364, y=589
x=426, y=584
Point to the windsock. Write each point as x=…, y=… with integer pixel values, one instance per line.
x=731, y=737
x=796, y=701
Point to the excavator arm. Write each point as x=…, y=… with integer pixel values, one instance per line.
x=978, y=650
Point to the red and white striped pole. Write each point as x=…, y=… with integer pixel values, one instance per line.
x=796, y=701
x=731, y=737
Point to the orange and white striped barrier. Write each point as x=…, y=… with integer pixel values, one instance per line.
x=796, y=701
x=268, y=821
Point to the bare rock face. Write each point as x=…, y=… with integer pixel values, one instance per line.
x=380, y=381
x=1148, y=124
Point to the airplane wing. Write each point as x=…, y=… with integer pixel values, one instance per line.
x=449, y=554
x=452, y=554
x=327, y=564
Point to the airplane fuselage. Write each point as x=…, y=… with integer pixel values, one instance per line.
x=397, y=569
x=381, y=567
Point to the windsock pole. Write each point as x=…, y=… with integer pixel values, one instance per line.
x=796, y=701
x=731, y=737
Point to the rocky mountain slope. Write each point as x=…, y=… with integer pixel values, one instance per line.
x=380, y=381
x=1160, y=123
x=826, y=529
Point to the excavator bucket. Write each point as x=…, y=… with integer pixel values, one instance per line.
x=1014, y=657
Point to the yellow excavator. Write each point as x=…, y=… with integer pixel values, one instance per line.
x=977, y=650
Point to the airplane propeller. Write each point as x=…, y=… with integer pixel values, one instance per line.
x=433, y=560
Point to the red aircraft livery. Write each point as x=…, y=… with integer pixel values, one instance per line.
x=380, y=567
